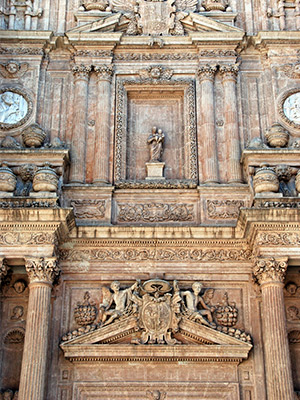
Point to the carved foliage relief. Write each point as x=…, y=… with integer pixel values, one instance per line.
x=224, y=209
x=89, y=209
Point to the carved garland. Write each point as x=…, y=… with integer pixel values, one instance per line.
x=121, y=128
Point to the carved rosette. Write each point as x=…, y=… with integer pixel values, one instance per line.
x=229, y=72
x=43, y=270
x=269, y=270
x=81, y=71
x=104, y=72
x=207, y=72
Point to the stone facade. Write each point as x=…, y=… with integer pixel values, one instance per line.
x=149, y=200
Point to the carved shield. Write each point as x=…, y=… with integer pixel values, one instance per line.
x=156, y=318
x=156, y=17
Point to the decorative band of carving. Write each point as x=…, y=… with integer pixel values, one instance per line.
x=269, y=270
x=207, y=72
x=42, y=269
x=229, y=71
x=104, y=72
x=81, y=71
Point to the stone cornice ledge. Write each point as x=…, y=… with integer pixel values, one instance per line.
x=35, y=36
x=277, y=37
x=94, y=37
x=156, y=353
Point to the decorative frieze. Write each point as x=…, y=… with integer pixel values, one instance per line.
x=224, y=209
x=11, y=238
x=278, y=239
x=155, y=56
x=269, y=270
x=155, y=212
x=42, y=269
x=15, y=51
x=89, y=209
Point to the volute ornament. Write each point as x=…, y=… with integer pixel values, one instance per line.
x=277, y=136
x=269, y=270
x=42, y=269
x=8, y=180
x=45, y=179
x=265, y=180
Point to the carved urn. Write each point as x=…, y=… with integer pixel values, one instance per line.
x=8, y=180
x=215, y=5
x=99, y=5
x=277, y=136
x=265, y=180
x=45, y=179
x=85, y=313
x=226, y=314
x=33, y=136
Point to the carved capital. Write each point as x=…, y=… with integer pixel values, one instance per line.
x=104, y=72
x=81, y=71
x=207, y=72
x=229, y=71
x=42, y=269
x=269, y=270
x=3, y=269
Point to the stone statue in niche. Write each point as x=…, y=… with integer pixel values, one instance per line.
x=192, y=302
x=156, y=143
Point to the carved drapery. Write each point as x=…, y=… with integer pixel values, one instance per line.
x=101, y=151
x=207, y=136
x=270, y=274
x=81, y=81
x=229, y=75
x=42, y=273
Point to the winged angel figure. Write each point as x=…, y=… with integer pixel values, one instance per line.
x=153, y=17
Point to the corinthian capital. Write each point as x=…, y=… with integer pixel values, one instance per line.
x=42, y=269
x=207, y=71
x=269, y=270
x=3, y=269
x=104, y=72
x=81, y=71
x=229, y=71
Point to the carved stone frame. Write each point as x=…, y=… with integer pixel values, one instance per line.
x=280, y=102
x=123, y=87
x=21, y=92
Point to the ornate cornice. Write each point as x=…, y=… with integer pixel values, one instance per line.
x=104, y=72
x=43, y=270
x=269, y=270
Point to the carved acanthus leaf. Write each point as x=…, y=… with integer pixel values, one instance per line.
x=42, y=269
x=81, y=71
x=104, y=72
x=269, y=270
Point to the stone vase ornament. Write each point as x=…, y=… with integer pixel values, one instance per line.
x=45, y=179
x=85, y=313
x=33, y=136
x=226, y=314
x=99, y=5
x=265, y=180
x=8, y=180
x=277, y=136
x=215, y=5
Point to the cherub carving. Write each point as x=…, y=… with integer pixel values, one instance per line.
x=122, y=299
x=13, y=69
x=193, y=301
x=156, y=395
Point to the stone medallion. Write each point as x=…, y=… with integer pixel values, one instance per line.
x=15, y=108
x=291, y=108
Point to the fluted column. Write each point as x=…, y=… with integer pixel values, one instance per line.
x=270, y=274
x=231, y=127
x=101, y=148
x=41, y=273
x=81, y=81
x=207, y=135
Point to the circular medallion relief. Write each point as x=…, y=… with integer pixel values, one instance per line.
x=291, y=108
x=15, y=108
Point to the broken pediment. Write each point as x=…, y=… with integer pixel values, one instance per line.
x=153, y=18
x=155, y=321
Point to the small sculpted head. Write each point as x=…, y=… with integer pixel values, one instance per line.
x=115, y=286
x=197, y=286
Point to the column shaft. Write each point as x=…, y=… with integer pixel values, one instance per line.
x=101, y=150
x=231, y=128
x=77, y=171
x=32, y=385
x=207, y=135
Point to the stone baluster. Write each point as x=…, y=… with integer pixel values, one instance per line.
x=41, y=273
x=81, y=81
x=101, y=148
x=207, y=135
x=231, y=128
x=270, y=275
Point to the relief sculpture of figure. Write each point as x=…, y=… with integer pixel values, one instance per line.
x=156, y=142
x=122, y=299
x=193, y=301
